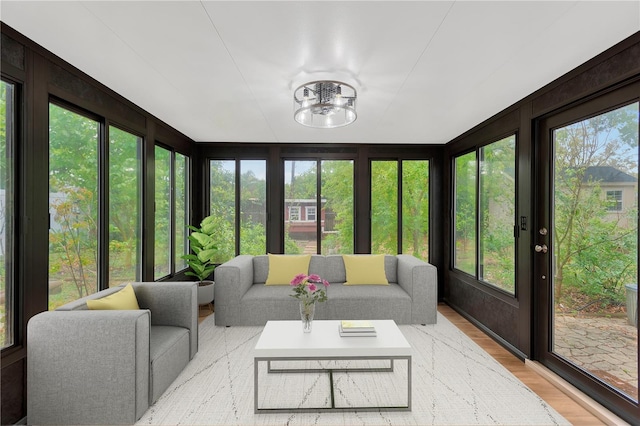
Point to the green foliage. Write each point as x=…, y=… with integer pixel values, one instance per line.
x=162, y=235
x=595, y=251
x=337, y=190
x=384, y=211
x=497, y=213
x=73, y=190
x=465, y=212
x=203, y=245
x=415, y=208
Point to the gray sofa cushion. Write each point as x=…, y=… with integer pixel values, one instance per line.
x=330, y=268
x=360, y=301
x=169, y=355
x=260, y=269
x=273, y=302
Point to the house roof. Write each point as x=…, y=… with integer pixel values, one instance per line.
x=607, y=174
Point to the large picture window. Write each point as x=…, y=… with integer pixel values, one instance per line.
x=7, y=146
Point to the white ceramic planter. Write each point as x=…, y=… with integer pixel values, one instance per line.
x=205, y=292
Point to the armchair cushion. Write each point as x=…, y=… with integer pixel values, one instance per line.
x=169, y=353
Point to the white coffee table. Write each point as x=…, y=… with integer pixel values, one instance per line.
x=285, y=341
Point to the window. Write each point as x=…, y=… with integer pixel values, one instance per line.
x=614, y=201
x=253, y=207
x=300, y=191
x=497, y=213
x=238, y=194
x=484, y=196
x=162, y=246
x=337, y=194
x=384, y=207
x=328, y=183
x=222, y=205
x=400, y=207
x=311, y=213
x=294, y=213
x=171, y=211
x=415, y=208
x=181, y=246
x=7, y=287
x=73, y=205
x=125, y=206
x=465, y=213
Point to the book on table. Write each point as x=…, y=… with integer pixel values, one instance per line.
x=357, y=328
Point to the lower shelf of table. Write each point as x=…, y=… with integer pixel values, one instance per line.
x=330, y=367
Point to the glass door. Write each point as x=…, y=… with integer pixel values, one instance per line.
x=586, y=249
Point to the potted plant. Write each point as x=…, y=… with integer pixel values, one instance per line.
x=201, y=261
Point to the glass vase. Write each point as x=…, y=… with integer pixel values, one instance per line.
x=307, y=310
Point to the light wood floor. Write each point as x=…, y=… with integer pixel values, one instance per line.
x=563, y=404
x=567, y=407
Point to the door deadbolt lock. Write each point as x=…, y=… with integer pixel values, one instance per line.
x=543, y=231
x=541, y=248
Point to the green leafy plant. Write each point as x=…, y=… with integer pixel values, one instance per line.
x=202, y=243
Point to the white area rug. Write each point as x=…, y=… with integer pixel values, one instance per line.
x=455, y=382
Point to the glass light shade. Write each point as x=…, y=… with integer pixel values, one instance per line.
x=325, y=104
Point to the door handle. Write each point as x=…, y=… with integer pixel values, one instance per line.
x=541, y=248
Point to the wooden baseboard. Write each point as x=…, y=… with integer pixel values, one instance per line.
x=576, y=394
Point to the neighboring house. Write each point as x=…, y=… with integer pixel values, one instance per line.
x=618, y=188
x=301, y=216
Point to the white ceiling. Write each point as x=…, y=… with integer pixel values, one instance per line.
x=425, y=71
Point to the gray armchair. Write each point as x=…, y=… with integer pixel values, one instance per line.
x=108, y=367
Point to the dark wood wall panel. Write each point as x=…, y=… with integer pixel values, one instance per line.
x=317, y=149
x=12, y=52
x=86, y=95
x=481, y=308
x=13, y=391
x=599, y=76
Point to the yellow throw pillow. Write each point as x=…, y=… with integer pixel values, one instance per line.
x=365, y=269
x=123, y=300
x=283, y=268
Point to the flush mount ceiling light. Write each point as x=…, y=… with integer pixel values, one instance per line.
x=325, y=104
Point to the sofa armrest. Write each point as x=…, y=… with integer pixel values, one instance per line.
x=233, y=279
x=172, y=303
x=420, y=280
x=88, y=367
